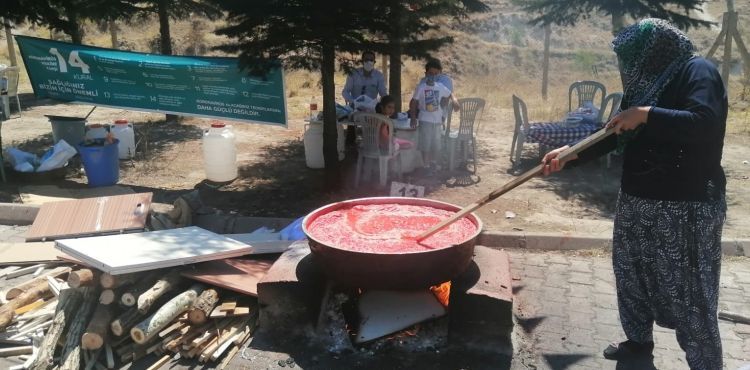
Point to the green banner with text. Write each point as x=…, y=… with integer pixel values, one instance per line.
x=185, y=85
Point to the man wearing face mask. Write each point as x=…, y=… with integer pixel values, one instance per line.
x=426, y=108
x=365, y=80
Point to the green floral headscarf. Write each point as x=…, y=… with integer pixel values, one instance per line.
x=651, y=53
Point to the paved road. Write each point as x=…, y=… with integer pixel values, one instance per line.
x=567, y=312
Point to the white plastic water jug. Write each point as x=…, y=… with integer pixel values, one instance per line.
x=313, y=140
x=219, y=153
x=123, y=131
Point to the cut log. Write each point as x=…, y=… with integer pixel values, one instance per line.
x=144, y=331
x=163, y=285
x=71, y=352
x=98, y=328
x=82, y=277
x=129, y=298
x=109, y=281
x=107, y=297
x=39, y=291
x=127, y=320
x=60, y=272
x=202, y=307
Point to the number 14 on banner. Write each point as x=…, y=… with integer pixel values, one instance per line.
x=399, y=189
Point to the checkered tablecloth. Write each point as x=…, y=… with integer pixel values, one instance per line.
x=557, y=134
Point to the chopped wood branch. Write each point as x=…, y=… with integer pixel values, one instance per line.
x=71, y=353
x=60, y=272
x=82, y=277
x=98, y=329
x=109, y=281
x=164, y=285
x=202, y=307
x=7, y=311
x=144, y=331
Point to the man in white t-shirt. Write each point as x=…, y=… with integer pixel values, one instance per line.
x=425, y=107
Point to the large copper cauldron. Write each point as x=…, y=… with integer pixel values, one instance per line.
x=407, y=270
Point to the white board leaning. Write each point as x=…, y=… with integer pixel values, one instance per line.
x=121, y=254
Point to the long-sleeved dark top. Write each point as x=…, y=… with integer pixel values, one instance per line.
x=676, y=155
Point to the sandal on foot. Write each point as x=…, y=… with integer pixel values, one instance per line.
x=627, y=349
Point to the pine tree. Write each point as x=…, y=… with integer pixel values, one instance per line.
x=569, y=12
x=175, y=9
x=406, y=25
x=300, y=34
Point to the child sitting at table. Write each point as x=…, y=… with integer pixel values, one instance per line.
x=387, y=107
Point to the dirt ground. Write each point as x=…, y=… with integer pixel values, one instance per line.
x=275, y=182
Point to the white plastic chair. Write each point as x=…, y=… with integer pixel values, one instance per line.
x=370, y=147
x=612, y=101
x=519, y=133
x=465, y=134
x=10, y=76
x=586, y=91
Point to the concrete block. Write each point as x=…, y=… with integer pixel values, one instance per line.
x=290, y=294
x=18, y=214
x=481, y=303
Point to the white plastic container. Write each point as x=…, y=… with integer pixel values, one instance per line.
x=123, y=131
x=313, y=140
x=219, y=153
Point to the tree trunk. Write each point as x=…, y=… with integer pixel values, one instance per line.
x=127, y=320
x=165, y=39
x=618, y=23
x=71, y=354
x=202, y=307
x=394, y=88
x=74, y=29
x=144, y=331
x=147, y=299
x=70, y=300
x=545, y=61
x=113, y=33
x=7, y=311
x=330, y=131
x=9, y=38
x=98, y=328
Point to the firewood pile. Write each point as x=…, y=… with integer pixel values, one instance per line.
x=79, y=318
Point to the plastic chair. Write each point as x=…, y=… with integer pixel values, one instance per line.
x=519, y=133
x=612, y=101
x=10, y=76
x=465, y=134
x=370, y=147
x=585, y=91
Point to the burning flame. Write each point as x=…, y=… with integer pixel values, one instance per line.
x=442, y=292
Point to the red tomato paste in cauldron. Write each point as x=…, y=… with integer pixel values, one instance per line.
x=388, y=228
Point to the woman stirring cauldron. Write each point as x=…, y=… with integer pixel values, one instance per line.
x=671, y=208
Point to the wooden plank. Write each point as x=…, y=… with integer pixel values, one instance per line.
x=91, y=216
x=121, y=254
x=29, y=307
x=237, y=274
x=12, y=253
x=227, y=306
x=40, y=194
x=23, y=271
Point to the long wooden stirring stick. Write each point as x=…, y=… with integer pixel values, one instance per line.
x=526, y=176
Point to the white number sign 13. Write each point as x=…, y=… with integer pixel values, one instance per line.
x=399, y=189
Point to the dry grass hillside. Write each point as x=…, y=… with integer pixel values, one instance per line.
x=495, y=54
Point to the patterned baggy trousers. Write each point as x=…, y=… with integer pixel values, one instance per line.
x=667, y=258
